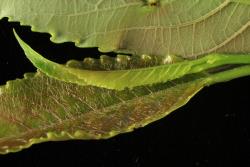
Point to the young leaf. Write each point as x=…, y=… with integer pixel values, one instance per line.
x=120, y=79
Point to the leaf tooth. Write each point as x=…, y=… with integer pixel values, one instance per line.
x=75, y=64
x=107, y=62
x=91, y=63
x=122, y=58
x=148, y=60
x=29, y=75
x=146, y=57
x=170, y=59
x=123, y=62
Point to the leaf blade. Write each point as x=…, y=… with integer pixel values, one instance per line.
x=63, y=116
x=121, y=79
x=190, y=29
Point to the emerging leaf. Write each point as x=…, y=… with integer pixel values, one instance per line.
x=130, y=78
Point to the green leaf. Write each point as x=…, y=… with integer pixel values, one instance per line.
x=242, y=1
x=39, y=108
x=71, y=111
x=120, y=79
x=188, y=28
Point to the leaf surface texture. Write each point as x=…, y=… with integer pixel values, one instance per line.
x=189, y=28
x=71, y=111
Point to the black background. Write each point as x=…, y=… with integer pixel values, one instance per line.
x=211, y=130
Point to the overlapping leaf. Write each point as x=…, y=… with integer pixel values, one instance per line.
x=188, y=28
x=129, y=78
x=39, y=108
